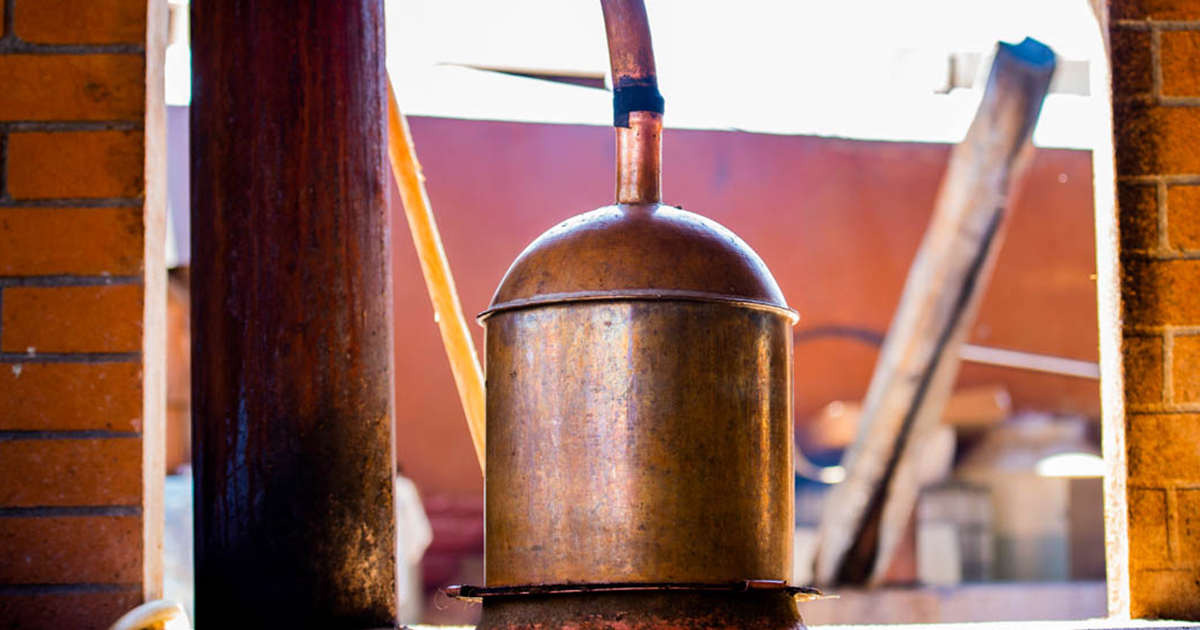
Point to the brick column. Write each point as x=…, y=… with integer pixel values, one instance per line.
x=1155, y=47
x=81, y=309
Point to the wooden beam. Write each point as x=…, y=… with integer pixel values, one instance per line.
x=865, y=516
x=291, y=348
x=456, y=337
x=154, y=303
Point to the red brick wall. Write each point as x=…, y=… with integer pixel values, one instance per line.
x=81, y=307
x=1155, y=46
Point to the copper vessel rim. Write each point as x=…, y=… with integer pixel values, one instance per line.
x=664, y=295
x=468, y=592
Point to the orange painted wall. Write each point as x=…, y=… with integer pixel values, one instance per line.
x=837, y=221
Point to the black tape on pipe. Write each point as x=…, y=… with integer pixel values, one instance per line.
x=635, y=98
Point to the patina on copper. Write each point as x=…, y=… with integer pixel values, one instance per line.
x=639, y=407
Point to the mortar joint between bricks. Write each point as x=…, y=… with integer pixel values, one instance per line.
x=73, y=125
x=1160, y=188
x=1177, y=101
x=1129, y=25
x=1162, y=25
x=63, y=589
x=1135, y=330
x=69, y=281
x=75, y=202
x=1172, y=524
x=1138, y=99
x=1156, y=79
x=73, y=357
x=29, y=436
x=1168, y=366
x=11, y=44
x=1162, y=409
x=39, y=511
x=1157, y=255
x=1172, y=25
x=1150, y=180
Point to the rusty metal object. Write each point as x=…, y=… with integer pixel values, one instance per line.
x=639, y=385
x=644, y=610
x=291, y=347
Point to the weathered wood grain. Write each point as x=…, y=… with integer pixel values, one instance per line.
x=865, y=516
x=291, y=350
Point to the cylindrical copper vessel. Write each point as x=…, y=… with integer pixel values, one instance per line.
x=639, y=379
x=639, y=407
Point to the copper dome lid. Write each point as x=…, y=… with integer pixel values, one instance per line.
x=638, y=251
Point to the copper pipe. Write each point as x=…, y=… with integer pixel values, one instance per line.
x=630, y=50
x=460, y=349
x=639, y=159
x=637, y=104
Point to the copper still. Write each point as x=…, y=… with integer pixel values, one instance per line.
x=639, y=407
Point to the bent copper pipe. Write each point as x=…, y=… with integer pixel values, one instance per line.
x=637, y=109
x=637, y=103
x=630, y=50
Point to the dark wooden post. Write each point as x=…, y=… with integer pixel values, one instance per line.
x=293, y=450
